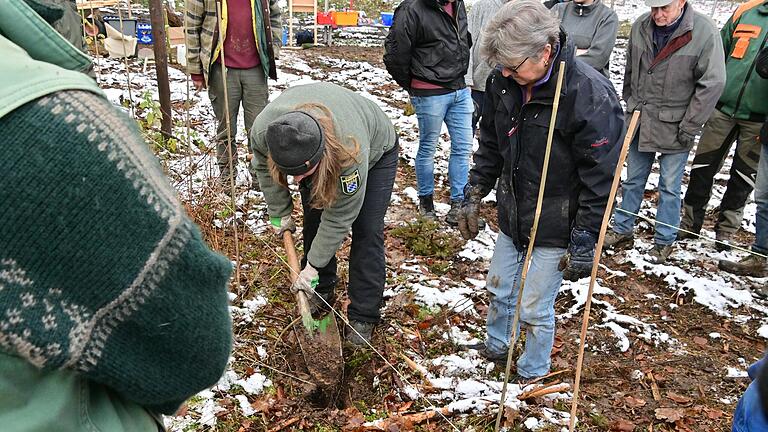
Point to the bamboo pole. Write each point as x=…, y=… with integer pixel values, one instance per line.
x=532, y=240
x=596, y=263
x=229, y=147
x=131, y=110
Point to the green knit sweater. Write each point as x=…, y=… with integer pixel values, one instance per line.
x=101, y=270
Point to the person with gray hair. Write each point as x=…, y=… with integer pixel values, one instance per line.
x=526, y=44
x=674, y=76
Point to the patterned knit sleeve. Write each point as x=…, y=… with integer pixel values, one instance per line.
x=101, y=270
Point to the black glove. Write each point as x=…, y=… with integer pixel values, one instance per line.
x=577, y=261
x=469, y=214
x=685, y=139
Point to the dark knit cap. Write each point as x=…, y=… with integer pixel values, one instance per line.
x=295, y=142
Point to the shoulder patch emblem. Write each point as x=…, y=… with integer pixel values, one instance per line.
x=350, y=183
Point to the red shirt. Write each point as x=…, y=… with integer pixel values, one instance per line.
x=240, y=51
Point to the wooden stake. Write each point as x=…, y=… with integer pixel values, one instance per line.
x=131, y=110
x=544, y=390
x=161, y=64
x=532, y=239
x=229, y=145
x=596, y=263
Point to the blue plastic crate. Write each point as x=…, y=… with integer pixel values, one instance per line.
x=386, y=18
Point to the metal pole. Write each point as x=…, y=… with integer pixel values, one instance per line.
x=161, y=65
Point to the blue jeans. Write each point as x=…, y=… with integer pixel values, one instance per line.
x=537, y=308
x=455, y=109
x=749, y=415
x=761, y=199
x=639, y=166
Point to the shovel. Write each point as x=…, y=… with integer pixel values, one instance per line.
x=319, y=339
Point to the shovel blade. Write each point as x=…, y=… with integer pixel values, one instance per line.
x=320, y=344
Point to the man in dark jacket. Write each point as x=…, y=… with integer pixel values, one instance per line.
x=740, y=113
x=525, y=40
x=427, y=53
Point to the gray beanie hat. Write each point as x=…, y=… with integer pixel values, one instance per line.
x=296, y=142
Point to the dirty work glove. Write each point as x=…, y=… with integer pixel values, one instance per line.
x=577, y=261
x=282, y=224
x=685, y=139
x=469, y=213
x=306, y=281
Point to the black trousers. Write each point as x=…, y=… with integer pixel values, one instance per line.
x=367, y=266
x=719, y=133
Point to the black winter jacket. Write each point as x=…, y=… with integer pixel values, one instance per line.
x=426, y=43
x=584, y=154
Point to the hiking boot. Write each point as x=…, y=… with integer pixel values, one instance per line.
x=725, y=238
x=362, y=334
x=427, y=207
x=614, y=240
x=486, y=353
x=687, y=231
x=659, y=253
x=316, y=305
x=750, y=265
x=452, y=218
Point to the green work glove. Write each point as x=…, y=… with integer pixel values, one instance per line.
x=282, y=224
x=307, y=281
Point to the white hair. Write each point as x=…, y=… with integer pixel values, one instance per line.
x=521, y=28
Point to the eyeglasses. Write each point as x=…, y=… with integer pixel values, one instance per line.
x=514, y=69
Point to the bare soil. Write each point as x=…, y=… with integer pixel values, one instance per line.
x=649, y=387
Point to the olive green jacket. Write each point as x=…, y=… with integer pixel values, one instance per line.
x=354, y=117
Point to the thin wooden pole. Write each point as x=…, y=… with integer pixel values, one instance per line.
x=131, y=111
x=187, y=119
x=314, y=19
x=290, y=23
x=532, y=240
x=95, y=43
x=229, y=146
x=596, y=263
x=161, y=65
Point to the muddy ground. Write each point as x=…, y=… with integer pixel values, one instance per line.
x=649, y=387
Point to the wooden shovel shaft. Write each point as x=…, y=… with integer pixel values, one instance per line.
x=595, y=264
x=293, y=262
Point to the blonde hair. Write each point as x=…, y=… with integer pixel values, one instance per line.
x=336, y=156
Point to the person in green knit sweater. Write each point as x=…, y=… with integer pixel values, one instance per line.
x=113, y=310
x=342, y=151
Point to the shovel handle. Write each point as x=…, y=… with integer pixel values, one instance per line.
x=293, y=262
